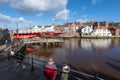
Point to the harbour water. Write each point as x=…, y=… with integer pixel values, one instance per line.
x=92, y=56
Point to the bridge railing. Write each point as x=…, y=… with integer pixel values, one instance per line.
x=36, y=64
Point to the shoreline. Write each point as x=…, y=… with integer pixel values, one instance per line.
x=86, y=37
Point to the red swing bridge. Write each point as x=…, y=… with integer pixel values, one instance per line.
x=36, y=32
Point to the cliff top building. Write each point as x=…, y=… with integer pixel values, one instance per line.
x=100, y=24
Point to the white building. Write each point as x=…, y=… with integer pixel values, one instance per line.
x=101, y=32
x=74, y=29
x=86, y=30
x=66, y=30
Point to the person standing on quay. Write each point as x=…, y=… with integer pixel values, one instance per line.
x=11, y=54
x=50, y=70
x=65, y=72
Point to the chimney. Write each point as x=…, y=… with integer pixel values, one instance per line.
x=98, y=24
x=106, y=24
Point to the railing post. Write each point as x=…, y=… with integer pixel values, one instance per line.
x=96, y=77
x=32, y=66
x=8, y=55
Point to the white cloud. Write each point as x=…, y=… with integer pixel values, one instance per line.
x=4, y=1
x=39, y=14
x=33, y=6
x=5, y=18
x=83, y=16
x=39, y=7
x=21, y=19
x=62, y=15
x=95, y=1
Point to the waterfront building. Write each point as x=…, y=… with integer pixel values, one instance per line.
x=71, y=28
x=66, y=30
x=101, y=31
x=117, y=31
x=112, y=30
x=59, y=28
x=100, y=24
x=87, y=30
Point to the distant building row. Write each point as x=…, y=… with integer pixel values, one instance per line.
x=91, y=28
x=78, y=29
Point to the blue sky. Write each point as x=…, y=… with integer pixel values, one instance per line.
x=45, y=12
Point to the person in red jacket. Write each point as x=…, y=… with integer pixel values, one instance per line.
x=50, y=70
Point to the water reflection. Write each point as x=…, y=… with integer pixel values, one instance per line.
x=40, y=51
x=71, y=45
x=96, y=44
x=101, y=55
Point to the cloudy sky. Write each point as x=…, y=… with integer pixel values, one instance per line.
x=45, y=12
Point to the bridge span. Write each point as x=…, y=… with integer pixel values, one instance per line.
x=42, y=41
